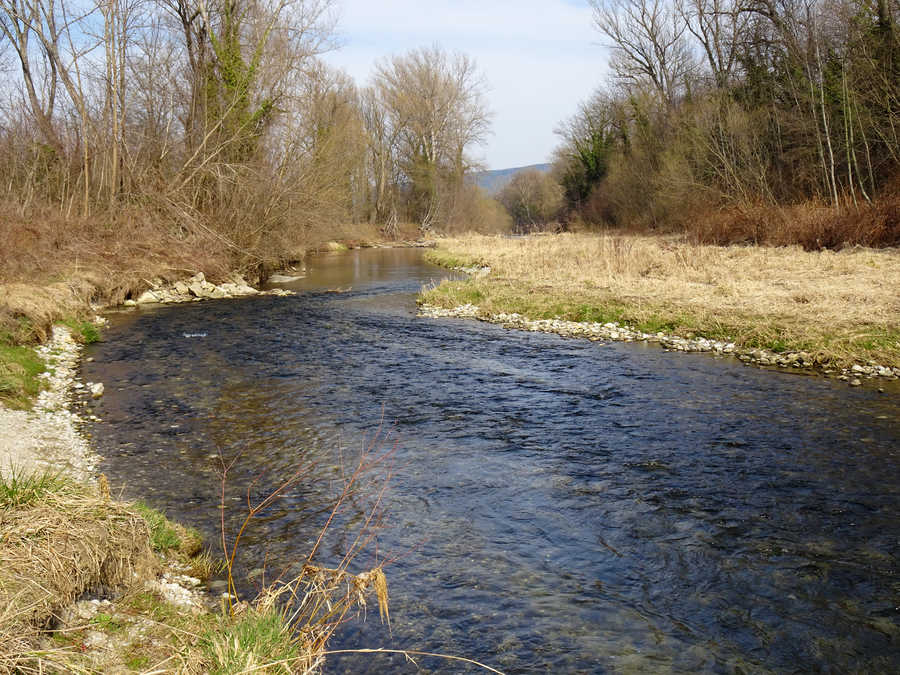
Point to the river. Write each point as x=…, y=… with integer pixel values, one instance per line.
x=556, y=505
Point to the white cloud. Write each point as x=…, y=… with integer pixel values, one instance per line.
x=539, y=57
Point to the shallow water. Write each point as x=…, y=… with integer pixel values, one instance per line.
x=556, y=505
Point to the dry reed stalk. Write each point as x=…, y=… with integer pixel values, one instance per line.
x=314, y=602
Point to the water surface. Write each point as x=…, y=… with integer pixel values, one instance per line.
x=557, y=505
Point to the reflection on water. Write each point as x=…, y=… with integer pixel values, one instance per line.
x=558, y=505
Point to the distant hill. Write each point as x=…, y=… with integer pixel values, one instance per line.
x=494, y=181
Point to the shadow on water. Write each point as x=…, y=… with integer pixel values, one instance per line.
x=558, y=505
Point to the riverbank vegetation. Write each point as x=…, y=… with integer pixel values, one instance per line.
x=214, y=135
x=741, y=121
x=150, y=141
x=89, y=583
x=840, y=307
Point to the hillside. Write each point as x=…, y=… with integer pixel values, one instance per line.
x=494, y=181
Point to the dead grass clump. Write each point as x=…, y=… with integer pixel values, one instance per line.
x=55, y=266
x=112, y=255
x=287, y=627
x=27, y=313
x=54, y=550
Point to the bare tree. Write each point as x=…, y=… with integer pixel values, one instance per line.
x=434, y=104
x=532, y=198
x=649, y=43
x=719, y=27
x=16, y=20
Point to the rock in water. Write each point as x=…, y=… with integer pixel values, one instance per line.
x=282, y=279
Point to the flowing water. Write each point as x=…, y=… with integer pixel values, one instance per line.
x=557, y=505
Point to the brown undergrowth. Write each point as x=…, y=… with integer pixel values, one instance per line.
x=53, y=267
x=811, y=226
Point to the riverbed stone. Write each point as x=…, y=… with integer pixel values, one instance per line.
x=147, y=298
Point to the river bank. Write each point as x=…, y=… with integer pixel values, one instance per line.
x=119, y=585
x=834, y=313
x=33, y=301
x=73, y=560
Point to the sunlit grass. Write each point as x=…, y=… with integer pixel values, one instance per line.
x=841, y=307
x=20, y=367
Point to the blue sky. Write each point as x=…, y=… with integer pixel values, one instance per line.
x=540, y=58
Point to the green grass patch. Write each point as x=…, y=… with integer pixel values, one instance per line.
x=106, y=622
x=19, y=488
x=166, y=536
x=248, y=640
x=137, y=662
x=19, y=370
x=85, y=332
x=777, y=334
x=879, y=340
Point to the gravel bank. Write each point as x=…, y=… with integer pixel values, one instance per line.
x=796, y=361
x=47, y=438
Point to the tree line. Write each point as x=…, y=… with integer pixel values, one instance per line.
x=220, y=116
x=763, y=120
x=739, y=120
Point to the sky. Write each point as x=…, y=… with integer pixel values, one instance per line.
x=540, y=59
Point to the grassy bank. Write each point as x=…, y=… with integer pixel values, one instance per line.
x=61, y=541
x=840, y=307
x=57, y=269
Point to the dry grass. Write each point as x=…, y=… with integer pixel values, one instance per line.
x=55, y=548
x=53, y=267
x=58, y=541
x=287, y=627
x=842, y=306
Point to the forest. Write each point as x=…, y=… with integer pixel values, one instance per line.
x=765, y=121
x=140, y=127
x=197, y=126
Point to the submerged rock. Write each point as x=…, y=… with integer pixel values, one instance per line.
x=283, y=279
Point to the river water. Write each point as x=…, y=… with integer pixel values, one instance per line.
x=556, y=505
